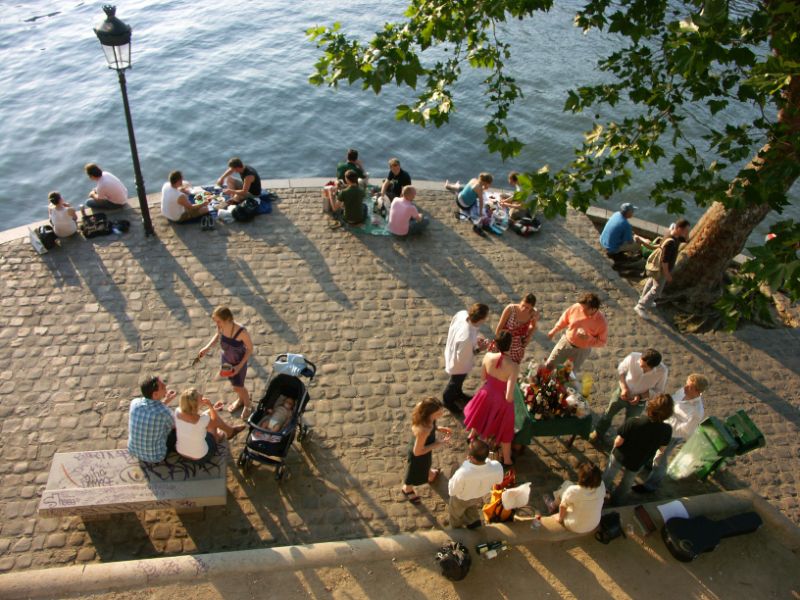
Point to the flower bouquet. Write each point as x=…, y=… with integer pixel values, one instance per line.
x=549, y=393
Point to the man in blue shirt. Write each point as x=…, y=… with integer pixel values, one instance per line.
x=618, y=238
x=151, y=428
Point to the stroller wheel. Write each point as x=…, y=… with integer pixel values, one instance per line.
x=280, y=472
x=244, y=463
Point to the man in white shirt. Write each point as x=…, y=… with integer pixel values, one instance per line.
x=472, y=481
x=685, y=419
x=175, y=203
x=642, y=376
x=459, y=354
x=108, y=193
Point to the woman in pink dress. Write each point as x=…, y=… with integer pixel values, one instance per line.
x=520, y=321
x=490, y=413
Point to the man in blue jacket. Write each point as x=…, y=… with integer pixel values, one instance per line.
x=617, y=237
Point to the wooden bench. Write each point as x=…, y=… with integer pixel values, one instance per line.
x=103, y=482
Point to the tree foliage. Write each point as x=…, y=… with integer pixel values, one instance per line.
x=680, y=60
x=676, y=61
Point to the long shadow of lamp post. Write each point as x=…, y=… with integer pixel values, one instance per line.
x=115, y=38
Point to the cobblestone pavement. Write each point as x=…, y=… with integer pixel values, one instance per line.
x=83, y=323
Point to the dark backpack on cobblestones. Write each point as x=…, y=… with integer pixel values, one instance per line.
x=454, y=561
x=246, y=210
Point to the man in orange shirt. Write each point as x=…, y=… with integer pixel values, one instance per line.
x=586, y=328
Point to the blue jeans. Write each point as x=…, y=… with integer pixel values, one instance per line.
x=614, y=406
x=660, y=463
x=610, y=474
x=102, y=204
x=415, y=226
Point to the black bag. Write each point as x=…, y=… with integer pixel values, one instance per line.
x=47, y=236
x=246, y=210
x=454, y=561
x=610, y=528
x=122, y=226
x=94, y=225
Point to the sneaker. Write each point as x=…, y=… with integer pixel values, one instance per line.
x=642, y=313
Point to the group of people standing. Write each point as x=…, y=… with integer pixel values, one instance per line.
x=655, y=422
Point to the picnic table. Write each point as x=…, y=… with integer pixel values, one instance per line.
x=526, y=427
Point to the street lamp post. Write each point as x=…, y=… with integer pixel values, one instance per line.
x=115, y=38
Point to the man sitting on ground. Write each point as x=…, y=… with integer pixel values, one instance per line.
x=395, y=181
x=151, y=426
x=352, y=164
x=618, y=239
x=175, y=203
x=404, y=218
x=109, y=192
x=351, y=198
x=472, y=481
x=249, y=186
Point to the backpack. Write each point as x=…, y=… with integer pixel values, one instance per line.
x=246, y=210
x=610, y=528
x=94, y=225
x=653, y=266
x=47, y=236
x=454, y=561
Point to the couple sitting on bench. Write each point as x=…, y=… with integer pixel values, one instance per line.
x=154, y=430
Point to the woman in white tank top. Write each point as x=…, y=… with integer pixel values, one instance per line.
x=198, y=434
x=62, y=216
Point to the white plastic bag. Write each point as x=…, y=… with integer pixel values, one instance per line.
x=516, y=497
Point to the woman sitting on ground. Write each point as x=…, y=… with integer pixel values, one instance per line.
x=198, y=434
x=470, y=197
x=62, y=216
x=580, y=505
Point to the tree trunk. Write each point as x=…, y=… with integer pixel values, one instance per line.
x=722, y=232
x=717, y=238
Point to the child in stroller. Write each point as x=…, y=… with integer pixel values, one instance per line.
x=277, y=419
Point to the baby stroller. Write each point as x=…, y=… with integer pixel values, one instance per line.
x=266, y=445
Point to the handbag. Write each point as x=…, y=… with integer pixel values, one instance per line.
x=610, y=528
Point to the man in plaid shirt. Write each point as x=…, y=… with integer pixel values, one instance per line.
x=151, y=428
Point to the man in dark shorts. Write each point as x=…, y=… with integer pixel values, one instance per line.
x=656, y=282
x=248, y=187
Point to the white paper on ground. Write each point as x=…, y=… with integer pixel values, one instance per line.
x=673, y=509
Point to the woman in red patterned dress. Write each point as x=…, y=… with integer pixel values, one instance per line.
x=520, y=321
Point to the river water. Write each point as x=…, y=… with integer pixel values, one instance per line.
x=212, y=80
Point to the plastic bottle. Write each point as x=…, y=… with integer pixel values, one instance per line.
x=586, y=385
x=537, y=521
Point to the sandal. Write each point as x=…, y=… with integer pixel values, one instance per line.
x=233, y=407
x=435, y=476
x=246, y=412
x=411, y=497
